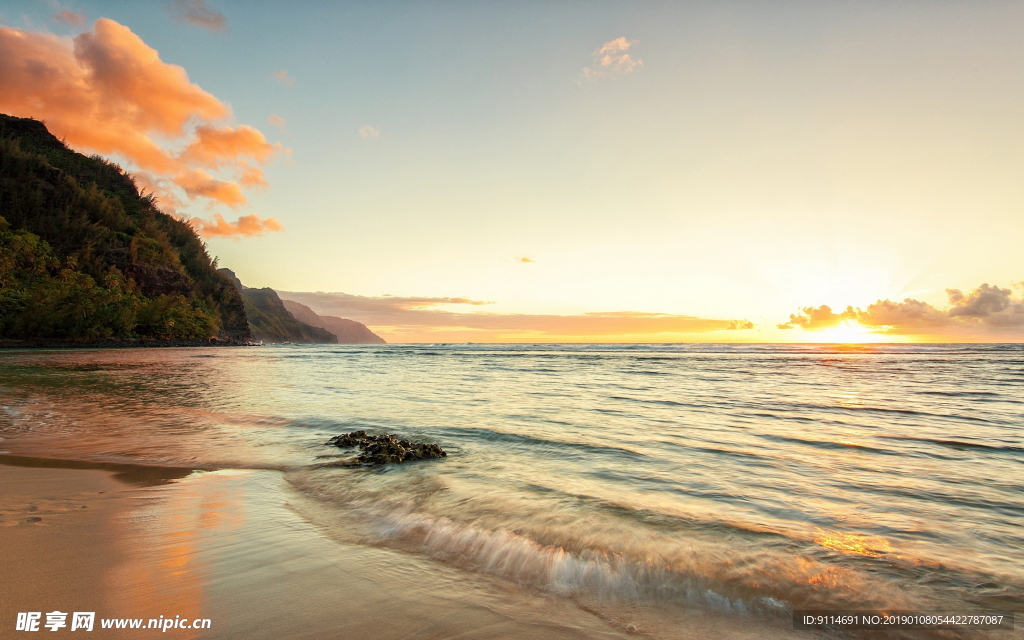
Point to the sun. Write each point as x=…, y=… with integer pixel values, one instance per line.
x=849, y=331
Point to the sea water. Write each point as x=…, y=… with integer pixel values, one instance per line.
x=746, y=481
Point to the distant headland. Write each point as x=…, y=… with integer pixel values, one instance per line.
x=272, y=319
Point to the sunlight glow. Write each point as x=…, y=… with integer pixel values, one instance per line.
x=850, y=331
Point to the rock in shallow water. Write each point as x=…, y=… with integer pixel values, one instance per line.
x=386, y=449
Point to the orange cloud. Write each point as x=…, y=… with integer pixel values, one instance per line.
x=70, y=18
x=612, y=58
x=109, y=92
x=987, y=310
x=524, y=259
x=215, y=147
x=253, y=178
x=816, y=319
x=277, y=121
x=251, y=225
x=283, y=77
x=200, y=184
x=417, y=320
x=135, y=86
x=198, y=13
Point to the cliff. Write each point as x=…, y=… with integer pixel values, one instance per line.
x=84, y=256
x=347, y=331
x=270, y=321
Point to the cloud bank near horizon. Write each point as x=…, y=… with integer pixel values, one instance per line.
x=107, y=91
x=986, y=311
x=419, y=319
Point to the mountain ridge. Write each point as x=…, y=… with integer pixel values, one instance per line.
x=347, y=331
x=269, y=320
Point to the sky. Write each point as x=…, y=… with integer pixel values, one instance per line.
x=570, y=171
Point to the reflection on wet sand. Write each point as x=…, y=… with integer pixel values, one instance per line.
x=168, y=571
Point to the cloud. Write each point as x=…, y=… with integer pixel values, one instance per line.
x=197, y=13
x=366, y=131
x=524, y=259
x=251, y=225
x=983, y=302
x=283, y=77
x=815, y=319
x=108, y=92
x=611, y=58
x=907, y=316
x=217, y=147
x=986, y=310
x=200, y=184
x=71, y=18
x=279, y=122
x=407, y=319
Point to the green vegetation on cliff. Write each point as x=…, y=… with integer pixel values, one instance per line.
x=270, y=321
x=83, y=255
x=347, y=331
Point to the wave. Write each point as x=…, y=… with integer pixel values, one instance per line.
x=960, y=444
x=555, y=446
x=595, y=575
x=602, y=551
x=960, y=394
x=828, y=444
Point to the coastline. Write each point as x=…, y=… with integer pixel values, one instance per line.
x=141, y=343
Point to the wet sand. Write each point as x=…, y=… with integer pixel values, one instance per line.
x=62, y=534
x=55, y=528
x=145, y=542
x=215, y=545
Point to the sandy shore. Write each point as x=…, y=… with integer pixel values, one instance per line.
x=61, y=534
x=126, y=543
x=55, y=529
x=230, y=546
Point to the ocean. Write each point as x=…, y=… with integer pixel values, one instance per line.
x=641, y=482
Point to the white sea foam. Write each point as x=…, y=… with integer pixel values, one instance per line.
x=598, y=576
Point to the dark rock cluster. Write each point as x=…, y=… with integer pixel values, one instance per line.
x=386, y=449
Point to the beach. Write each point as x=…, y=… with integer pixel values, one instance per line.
x=142, y=546
x=57, y=528
x=502, y=320
x=660, y=492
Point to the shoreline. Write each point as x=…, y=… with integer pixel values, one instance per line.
x=142, y=343
x=128, y=541
x=249, y=552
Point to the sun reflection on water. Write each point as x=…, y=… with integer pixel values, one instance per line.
x=851, y=543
